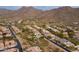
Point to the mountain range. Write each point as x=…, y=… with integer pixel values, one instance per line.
x=65, y=14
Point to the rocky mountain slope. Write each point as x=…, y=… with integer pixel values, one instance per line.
x=66, y=15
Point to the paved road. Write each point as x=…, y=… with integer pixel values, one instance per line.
x=14, y=36
x=56, y=43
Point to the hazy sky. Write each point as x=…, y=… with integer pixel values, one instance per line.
x=46, y=7
x=38, y=7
